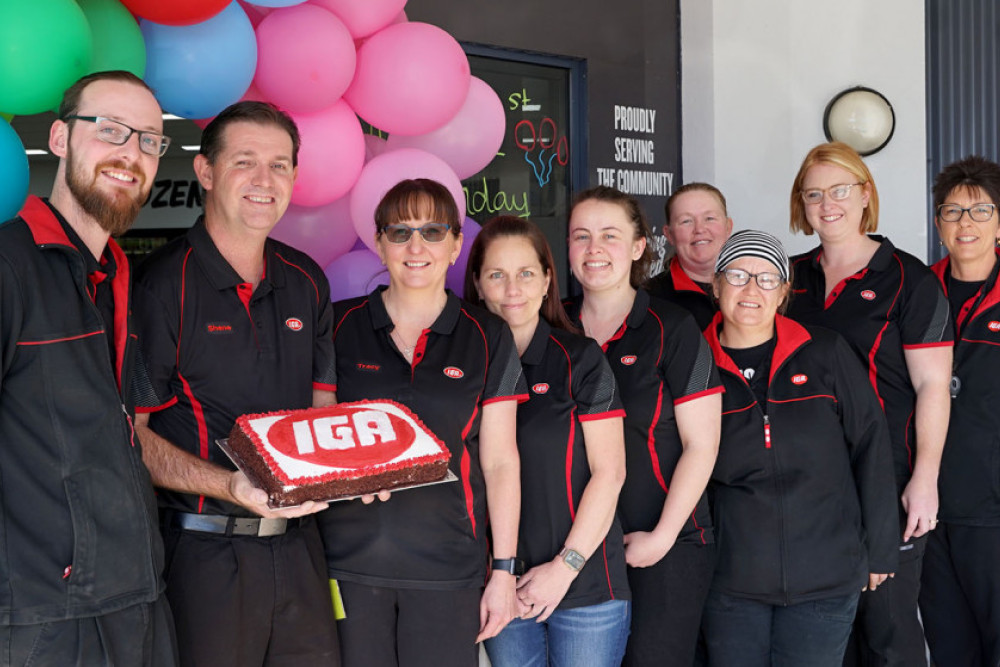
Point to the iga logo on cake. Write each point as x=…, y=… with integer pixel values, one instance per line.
x=343, y=437
x=294, y=323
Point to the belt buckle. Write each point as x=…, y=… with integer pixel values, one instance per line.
x=272, y=527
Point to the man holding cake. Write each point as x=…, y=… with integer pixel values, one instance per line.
x=233, y=323
x=80, y=556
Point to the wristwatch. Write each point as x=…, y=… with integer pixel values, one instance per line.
x=513, y=566
x=573, y=559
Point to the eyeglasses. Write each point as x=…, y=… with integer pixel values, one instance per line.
x=765, y=281
x=431, y=232
x=836, y=192
x=113, y=132
x=977, y=212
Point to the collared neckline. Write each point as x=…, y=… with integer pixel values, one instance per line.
x=535, y=352
x=220, y=272
x=444, y=324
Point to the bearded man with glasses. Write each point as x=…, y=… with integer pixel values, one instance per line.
x=80, y=556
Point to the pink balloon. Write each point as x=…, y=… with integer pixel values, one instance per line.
x=363, y=17
x=469, y=141
x=322, y=232
x=411, y=78
x=331, y=156
x=355, y=274
x=305, y=58
x=374, y=146
x=455, y=280
x=387, y=170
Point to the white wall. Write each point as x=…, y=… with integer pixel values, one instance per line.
x=756, y=77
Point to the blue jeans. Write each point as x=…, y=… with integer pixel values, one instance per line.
x=592, y=636
x=744, y=632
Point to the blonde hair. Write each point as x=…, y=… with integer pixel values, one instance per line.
x=840, y=155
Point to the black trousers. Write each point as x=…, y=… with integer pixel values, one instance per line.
x=887, y=631
x=138, y=636
x=405, y=627
x=960, y=595
x=251, y=601
x=667, y=601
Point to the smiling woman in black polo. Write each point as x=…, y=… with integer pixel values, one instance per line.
x=412, y=569
x=574, y=596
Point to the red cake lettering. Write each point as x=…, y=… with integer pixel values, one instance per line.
x=353, y=438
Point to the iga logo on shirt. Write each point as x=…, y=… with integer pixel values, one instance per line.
x=800, y=378
x=540, y=388
x=294, y=323
x=453, y=372
x=628, y=359
x=868, y=295
x=993, y=326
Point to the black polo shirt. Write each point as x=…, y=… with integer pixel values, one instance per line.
x=569, y=382
x=434, y=537
x=660, y=359
x=674, y=285
x=212, y=349
x=100, y=274
x=893, y=304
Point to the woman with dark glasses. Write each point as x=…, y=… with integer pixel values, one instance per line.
x=890, y=309
x=411, y=570
x=804, y=509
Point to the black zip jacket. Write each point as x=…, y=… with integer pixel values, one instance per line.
x=969, y=481
x=77, y=531
x=804, y=496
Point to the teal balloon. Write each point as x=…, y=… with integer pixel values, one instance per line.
x=45, y=46
x=13, y=172
x=117, y=40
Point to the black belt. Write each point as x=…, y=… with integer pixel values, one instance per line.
x=220, y=524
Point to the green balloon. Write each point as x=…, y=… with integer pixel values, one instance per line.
x=44, y=47
x=7, y=116
x=118, y=42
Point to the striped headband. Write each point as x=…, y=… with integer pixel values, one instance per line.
x=752, y=243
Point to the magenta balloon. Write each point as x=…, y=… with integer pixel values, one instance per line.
x=322, y=232
x=374, y=146
x=275, y=3
x=331, y=155
x=355, y=274
x=411, y=78
x=305, y=58
x=469, y=141
x=363, y=17
x=455, y=280
x=255, y=13
x=388, y=169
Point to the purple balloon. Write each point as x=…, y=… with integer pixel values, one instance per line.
x=386, y=170
x=322, y=232
x=470, y=140
x=455, y=280
x=355, y=274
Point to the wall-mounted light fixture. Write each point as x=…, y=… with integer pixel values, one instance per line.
x=860, y=117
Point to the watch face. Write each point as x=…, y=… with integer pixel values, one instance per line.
x=574, y=559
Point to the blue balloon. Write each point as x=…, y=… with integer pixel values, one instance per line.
x=198, y=70
x=13, y=172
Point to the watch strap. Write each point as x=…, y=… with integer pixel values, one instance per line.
x=514, y=566
x=574, y=559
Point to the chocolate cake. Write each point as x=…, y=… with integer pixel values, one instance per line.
x=344, y=450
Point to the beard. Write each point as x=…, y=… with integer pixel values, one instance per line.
x=115, y=214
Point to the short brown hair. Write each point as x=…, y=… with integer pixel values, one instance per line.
x=840, y=155
x=417, y=198
x=695, y=186
x=71, y=98
x=247, y=111
x=505, y=226
x=630, y=205
x=972, y=172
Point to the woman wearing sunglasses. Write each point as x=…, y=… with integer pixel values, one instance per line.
x=573, y=598
x=670, y=390
x=411, y=570
x=960, y=591
x=891, y=310
x=805, y=512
